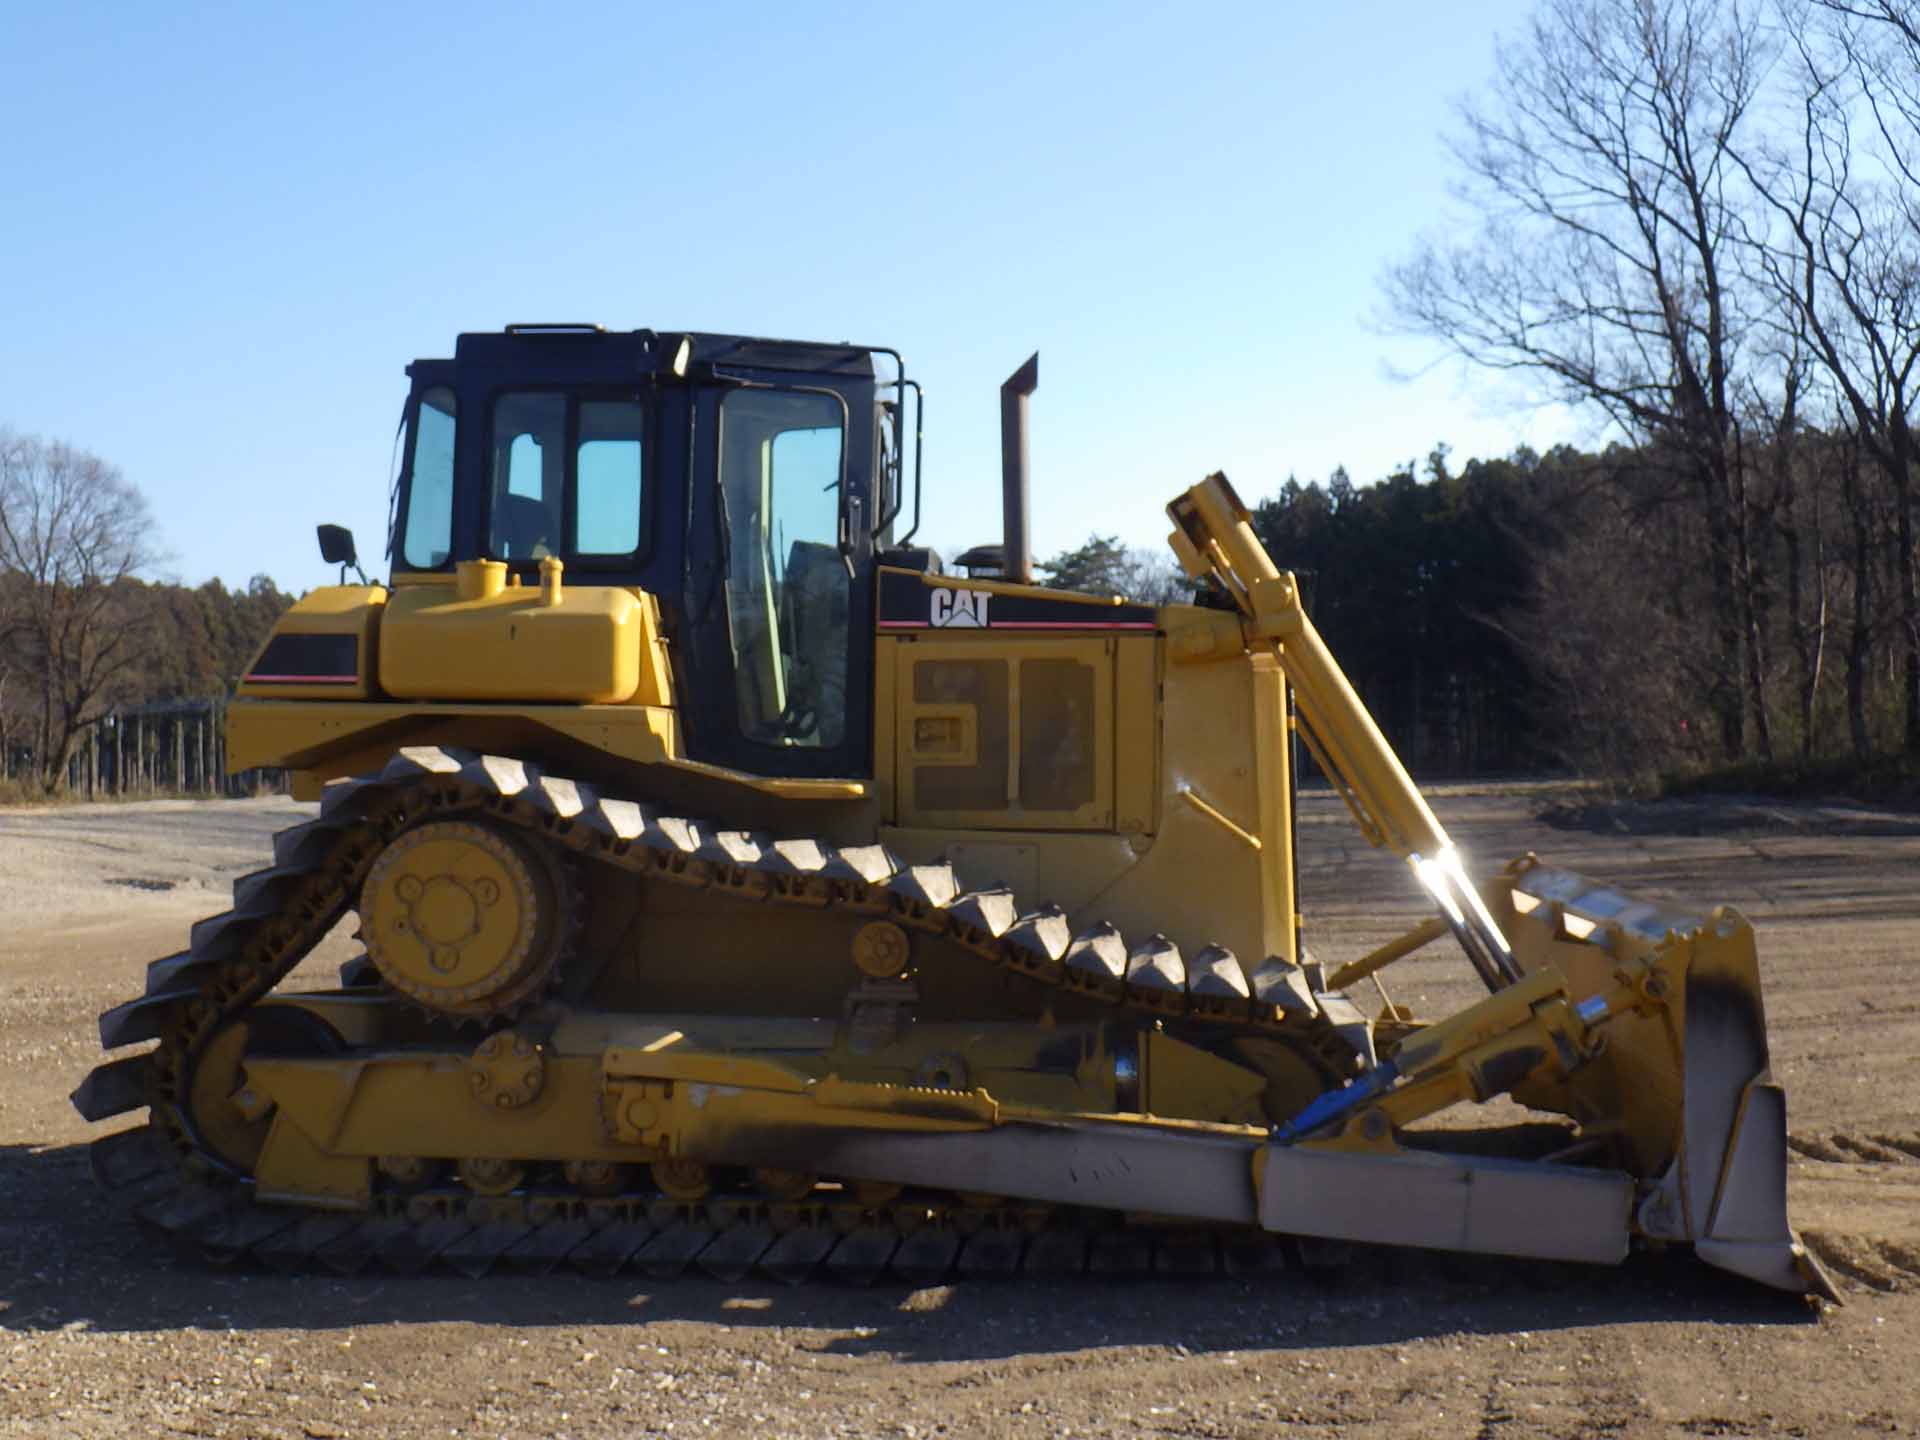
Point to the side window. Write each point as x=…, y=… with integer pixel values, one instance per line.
x=430, y=491
x=528, y=479
x=781, y=464
x=607, y=473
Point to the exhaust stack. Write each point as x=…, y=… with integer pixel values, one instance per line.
x=1016, y=558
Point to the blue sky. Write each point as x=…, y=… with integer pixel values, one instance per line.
x=231, y=227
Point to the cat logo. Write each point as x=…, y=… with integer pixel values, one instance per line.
x=966, y=608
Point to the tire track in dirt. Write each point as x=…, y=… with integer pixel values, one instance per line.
x=1542, y=1388
x=1887, y=1266
x=1839, y=1148
x=1866, y=1222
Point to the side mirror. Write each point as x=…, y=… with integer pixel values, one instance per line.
x=336, y=545
x=336, y=548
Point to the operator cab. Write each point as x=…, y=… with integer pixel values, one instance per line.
x=748, y=484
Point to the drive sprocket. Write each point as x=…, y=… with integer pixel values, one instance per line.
x=464, y=918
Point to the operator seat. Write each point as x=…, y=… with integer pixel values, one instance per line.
x=817, y=607
x=522, y=528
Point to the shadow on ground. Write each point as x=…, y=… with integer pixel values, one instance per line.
x=70, y=1258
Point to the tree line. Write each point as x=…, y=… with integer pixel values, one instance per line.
x=85, y=640
x=1556, y=610
x=1551, y=612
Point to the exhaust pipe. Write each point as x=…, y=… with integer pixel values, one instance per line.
x=1016, y=558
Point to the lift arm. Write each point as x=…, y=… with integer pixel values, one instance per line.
x=1213, y=536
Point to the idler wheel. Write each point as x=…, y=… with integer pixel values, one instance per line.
x=462, y=918
x=230, y=1117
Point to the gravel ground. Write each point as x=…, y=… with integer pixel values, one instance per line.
x=99, y=1336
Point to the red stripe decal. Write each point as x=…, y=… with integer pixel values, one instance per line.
x=1024, y=625
x=1066, y=625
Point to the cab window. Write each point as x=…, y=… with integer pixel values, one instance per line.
x=782, y=464
x=607, y=508
x=529, y=475
x=429, y=534
x=567, y=478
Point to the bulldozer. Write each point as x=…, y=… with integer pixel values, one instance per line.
x=740, y=888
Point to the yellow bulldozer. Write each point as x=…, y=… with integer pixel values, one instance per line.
x=741, y=889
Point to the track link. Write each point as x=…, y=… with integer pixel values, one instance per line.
x=918, y=1241
x=183, y=1189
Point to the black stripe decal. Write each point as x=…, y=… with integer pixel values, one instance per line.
x=307, y=660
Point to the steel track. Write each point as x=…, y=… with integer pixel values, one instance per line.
x=186, y=1192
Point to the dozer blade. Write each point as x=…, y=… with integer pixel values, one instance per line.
x=1735, y=1163
x=1683, y=1077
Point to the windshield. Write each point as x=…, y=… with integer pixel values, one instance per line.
x=429, y=501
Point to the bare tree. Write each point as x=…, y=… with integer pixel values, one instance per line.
x=1602, y=167
x=1624, y=712
x=6, y=714
x=1843, y=254
x=1881, y=41
x=1862, y=628
x=1786, y=509
x=73, y=533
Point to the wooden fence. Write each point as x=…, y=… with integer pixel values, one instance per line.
x=176, y=747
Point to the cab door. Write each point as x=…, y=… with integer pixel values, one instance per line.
x=779, y=580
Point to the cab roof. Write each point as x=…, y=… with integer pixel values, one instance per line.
x=520, y=348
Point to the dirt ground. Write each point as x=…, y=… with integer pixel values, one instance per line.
x=100, y=1336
